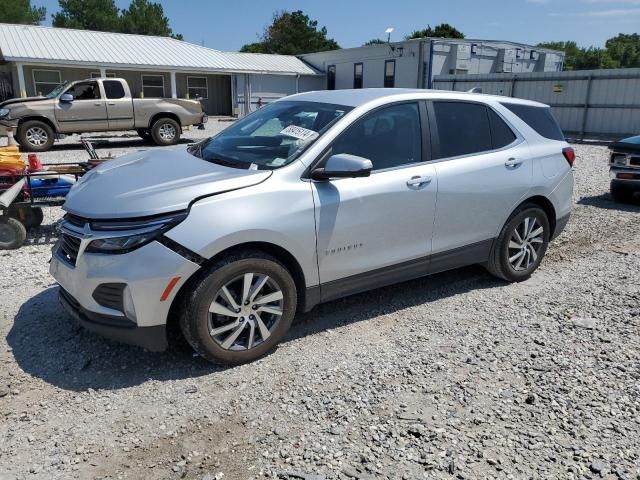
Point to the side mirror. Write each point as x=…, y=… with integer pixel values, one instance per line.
x=66, y=98
x=343, y=165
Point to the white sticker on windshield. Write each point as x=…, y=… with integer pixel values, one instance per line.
x=278, y=162
x=300, y=133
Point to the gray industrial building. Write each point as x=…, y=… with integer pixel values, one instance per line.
x=34, y=59
x=414, y=63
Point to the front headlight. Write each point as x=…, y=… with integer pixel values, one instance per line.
x=4, y=112
x=130, y=235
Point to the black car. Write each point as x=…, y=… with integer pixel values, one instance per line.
x=625, y=168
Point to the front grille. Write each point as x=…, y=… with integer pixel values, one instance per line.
x=75, y=220
x=68, y=248
x=110, y=295
x=635, y=161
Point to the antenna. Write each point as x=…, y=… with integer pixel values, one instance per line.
x=388, y=32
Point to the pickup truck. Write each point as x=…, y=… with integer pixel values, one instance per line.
x=624, y=169
x=97, y=105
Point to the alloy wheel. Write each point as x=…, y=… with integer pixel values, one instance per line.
x=167, y=132
x=37, y=136
x=525, y=243
x=245, y=311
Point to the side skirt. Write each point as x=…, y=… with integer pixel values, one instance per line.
x=420, y=267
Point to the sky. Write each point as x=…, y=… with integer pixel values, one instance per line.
x=229, y=24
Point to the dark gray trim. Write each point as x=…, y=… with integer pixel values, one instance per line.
x=311, y=297
x=180, y=250
x=153, y=339
x=560, y=224
x=419, y=267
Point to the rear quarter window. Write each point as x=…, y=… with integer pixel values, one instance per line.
x=539, y=118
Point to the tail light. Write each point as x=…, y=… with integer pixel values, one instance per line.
x=570, y=155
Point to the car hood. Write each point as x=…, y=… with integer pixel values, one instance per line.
x=21, y=100
x=152, y=182
x=628, y=145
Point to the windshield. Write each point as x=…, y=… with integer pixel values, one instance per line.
x=56, y=91
x=271, y=137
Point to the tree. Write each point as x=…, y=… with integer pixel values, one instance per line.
x=292, y=33
x=580, y=58
x=444, y=30
x=375, y=41
x=146, y=18
x=101, y=15
x=21, y=11
x=625, y=50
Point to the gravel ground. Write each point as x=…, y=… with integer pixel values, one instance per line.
x=453, y=376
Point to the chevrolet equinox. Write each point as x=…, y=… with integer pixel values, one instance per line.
x=311, y=198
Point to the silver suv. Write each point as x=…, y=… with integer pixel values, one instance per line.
x=311, y=198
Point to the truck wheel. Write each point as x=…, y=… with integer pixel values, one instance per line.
x=144, y=134
x=239, y=309
x=165, y=131
x=30, y=217
x=35, y=136
x=621, y=194
x=12, y=233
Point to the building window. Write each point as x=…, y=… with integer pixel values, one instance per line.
x=331, y=77
x=45, y=80
x=357, y=75
x=389, y=73
x=153, y=86
x=97, y=75
x=197, y=87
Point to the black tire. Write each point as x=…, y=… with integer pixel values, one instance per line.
x=12, y=233
x=161, y=130
x=621, y=194
x=196, y=321
x=31, y=130
x=144, y=134
x=30, y=217
x=499, y=265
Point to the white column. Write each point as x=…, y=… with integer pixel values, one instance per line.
x=103, y=72
x=21, y=85
x=174, y=91
x=298, y=83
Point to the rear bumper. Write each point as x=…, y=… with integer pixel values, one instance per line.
x=120, y=329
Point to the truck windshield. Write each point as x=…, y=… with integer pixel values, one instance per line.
x=271, y=137
x=56, y=91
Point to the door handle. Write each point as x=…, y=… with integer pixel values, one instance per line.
x=111, y=104
x=97, y=104
x=419, y=181
x=513, y=163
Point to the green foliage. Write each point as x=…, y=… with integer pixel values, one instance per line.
x=146, y=18
x=444, y=30
x=622, y=51
x=101, y=15
x=22, y=12
x=292, y=33
x=375, y=41
x=142, y=17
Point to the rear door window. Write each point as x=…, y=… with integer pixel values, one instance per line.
x=113, y=89
x=539, y=118
x=463, y=129
x=501, y=133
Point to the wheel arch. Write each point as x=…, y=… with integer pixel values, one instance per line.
x=279, y=253
x=547, y=206
x=39, y=118
x=160, y=115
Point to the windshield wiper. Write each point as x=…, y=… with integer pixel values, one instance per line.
x=229, y=163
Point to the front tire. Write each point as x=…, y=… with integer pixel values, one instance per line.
x=35, y=136
x=239, y=309
x=621, y=194
x=165, y=131
x=521, y=245
x=12, y=233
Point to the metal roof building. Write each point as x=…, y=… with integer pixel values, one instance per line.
x=36, y=58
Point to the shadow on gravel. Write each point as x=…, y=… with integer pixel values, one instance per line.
x=606, y=201
x=47, y=345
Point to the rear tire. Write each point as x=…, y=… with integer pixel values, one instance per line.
x=239, y=309
x=35, y=136
x=12, y=233
x=621, y=194
x=165, y=131
x=521, y=245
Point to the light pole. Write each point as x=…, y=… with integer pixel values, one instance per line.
x=388, y=32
